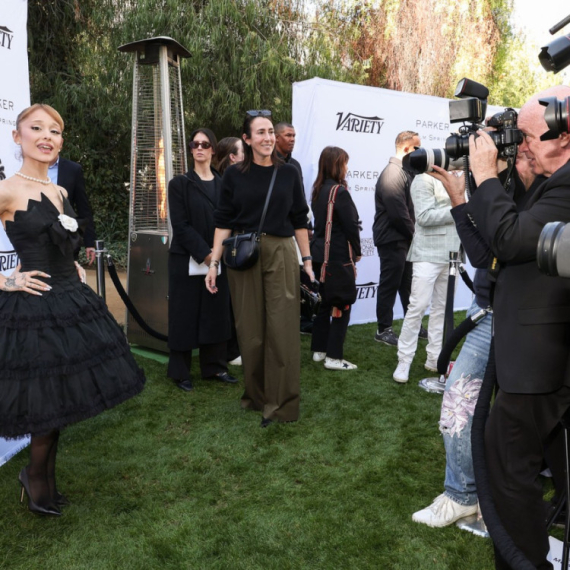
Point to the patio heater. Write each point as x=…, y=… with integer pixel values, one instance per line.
x=158, y=153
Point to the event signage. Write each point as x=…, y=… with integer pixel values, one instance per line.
x=14, y=97
x=365, y=121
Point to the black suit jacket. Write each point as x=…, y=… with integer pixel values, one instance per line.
x=70, y=176
x=532, y=310
x=394, y=219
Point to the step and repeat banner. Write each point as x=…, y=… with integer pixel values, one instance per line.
x=365, y=121
x=14, y=97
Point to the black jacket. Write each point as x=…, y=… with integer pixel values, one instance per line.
x=70, y=176
x=344, y=227
x=394, y=219
x=532, y=310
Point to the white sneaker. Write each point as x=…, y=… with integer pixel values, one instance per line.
x=402, y=372
x=431, y=365
x=443, y=512
x=336, y=364
x=319, y=356
x=235, y=361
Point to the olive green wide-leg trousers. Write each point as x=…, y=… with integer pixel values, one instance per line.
x=265, y=300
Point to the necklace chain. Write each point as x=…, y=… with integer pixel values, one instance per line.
x=44, y=182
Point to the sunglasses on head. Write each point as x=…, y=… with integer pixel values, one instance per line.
x=197, y=144
x=258, y=113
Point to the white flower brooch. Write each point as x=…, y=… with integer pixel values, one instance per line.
x=69, y=223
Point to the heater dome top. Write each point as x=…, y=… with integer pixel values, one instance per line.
x=143, y=45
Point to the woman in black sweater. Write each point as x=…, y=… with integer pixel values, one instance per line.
x=331, y=323
x=196, y=319
x=265, y=297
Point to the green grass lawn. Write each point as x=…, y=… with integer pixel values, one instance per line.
x=189, y=480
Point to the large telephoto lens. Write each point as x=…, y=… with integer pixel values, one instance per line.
x=423, y=160
x=553, y=250
x=557, y=117
x=457, y=146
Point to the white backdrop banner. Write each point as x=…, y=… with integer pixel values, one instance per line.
x=14, y=97
x=365, y=121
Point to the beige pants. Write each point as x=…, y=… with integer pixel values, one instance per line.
x=265, y=300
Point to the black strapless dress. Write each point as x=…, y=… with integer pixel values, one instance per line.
x=63, y=357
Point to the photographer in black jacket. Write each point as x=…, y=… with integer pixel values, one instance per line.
x=531, y=323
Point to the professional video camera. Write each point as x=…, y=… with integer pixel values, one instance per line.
x=471, y=112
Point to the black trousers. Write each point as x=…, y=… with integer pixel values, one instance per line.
x=395, y=277
x=328, y=333
x=518, y=430
x=212, y=361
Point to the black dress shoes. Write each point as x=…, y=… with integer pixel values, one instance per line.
x=185, y=385
x=265, y=422
x=224, y=377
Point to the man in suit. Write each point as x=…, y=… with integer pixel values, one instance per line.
x=69, y=174
x=435, y=236
x=531, y=324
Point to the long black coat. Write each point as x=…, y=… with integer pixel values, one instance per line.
x=195, y=316
x=532, y=310
x=344, y=227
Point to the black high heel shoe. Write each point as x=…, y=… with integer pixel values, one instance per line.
x=60, y=500
x=50, y=510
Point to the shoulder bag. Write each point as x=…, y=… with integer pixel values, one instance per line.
x=242, y=250
x=339, y=277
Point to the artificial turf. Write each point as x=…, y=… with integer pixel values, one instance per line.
x=190, y=481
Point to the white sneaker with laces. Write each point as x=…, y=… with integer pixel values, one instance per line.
x=319, y=356
x=337, y=364
x=431, y=365
x=402, y=372
x=443, y=512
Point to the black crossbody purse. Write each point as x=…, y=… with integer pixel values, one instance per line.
x=242, y=250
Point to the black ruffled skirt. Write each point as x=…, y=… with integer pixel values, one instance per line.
x=63, y=358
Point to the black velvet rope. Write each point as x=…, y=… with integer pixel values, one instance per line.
x=466, y=278
x=451, y=342
x=128, y=303
x=510, y=553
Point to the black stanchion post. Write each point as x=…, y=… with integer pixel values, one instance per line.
x=453, y=270
x=99, y=252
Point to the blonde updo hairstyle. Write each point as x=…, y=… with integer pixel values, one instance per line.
x=36, y=107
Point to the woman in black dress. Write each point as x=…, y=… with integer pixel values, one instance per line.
x=63, y=358
x=331, y=323
x=265, y=297
x=196, y=319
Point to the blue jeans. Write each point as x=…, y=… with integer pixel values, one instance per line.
x=459, y=399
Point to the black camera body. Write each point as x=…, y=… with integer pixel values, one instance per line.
x=470, y=111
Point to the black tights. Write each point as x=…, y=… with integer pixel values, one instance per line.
x=41, y=469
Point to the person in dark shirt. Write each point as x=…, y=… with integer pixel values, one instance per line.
x=285, y=143
x=393, y=231
x=265, y=297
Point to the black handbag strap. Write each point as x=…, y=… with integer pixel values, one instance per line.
x=267, y=200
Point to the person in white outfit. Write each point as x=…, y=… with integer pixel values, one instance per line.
x=434, y=238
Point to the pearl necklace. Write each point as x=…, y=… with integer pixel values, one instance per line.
x=44, y=182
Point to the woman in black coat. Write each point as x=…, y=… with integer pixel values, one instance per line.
x=331, y=323
x=196, y=319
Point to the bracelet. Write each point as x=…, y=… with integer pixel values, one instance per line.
x=307, y=258
x=214, y=263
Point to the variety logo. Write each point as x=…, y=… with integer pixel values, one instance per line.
x=6, y=37
x=8, y=260
x=366, y=290
x=359, y=124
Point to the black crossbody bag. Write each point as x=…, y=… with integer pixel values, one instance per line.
x=242, y=250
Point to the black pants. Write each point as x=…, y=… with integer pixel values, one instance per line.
x=395, y=277
x=212, y=361
x=329, y=333
x=519, y=428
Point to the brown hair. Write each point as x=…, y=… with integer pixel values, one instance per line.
x=36, y=107
x=332, y=163
x=227, y=146
x=247, y=150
